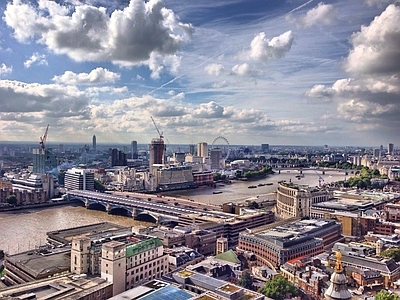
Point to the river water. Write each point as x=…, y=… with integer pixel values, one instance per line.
x=23, y=230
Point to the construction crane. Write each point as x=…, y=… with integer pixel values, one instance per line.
x=160, y=133
x=44, y=137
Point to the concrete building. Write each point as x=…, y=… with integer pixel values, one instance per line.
x=193, y=237
x=390, y=148
x=134, y=150
x=202, y=149
x=79, y=179
x=265, y=148
x=174, y=177
x=273, y=247
x=295, y=200
x=44, y=161
x=118, y=158
x=217, y=162
x=94, y=144
x=67, y=287
x=228, y=225
x=157, y=153
x=36, y=264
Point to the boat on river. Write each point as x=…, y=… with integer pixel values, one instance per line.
x=252, y=186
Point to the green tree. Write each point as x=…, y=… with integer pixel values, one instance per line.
x=278, y=287
x=246, y=280
x=392, y=253
x=11, y=199
x=385, y=295
x=98, y=186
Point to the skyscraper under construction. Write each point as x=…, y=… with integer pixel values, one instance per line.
x=157, y=152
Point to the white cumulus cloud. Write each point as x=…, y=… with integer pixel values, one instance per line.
x=130, y=36
x=265, y=49
x=214, y=69
x=96, y=76
x=241, y=70
x=322, y=14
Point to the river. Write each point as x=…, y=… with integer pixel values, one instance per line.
x=23, y=230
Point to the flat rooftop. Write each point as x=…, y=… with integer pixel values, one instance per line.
x=65, y=287
x=93, y=231
x=43, y=261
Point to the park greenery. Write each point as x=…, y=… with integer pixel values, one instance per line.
x=363, y=178
x=391, y=253
x=385, y=295
x=258, y=174
x=278, y=287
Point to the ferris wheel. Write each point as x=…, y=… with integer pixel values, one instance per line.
x=220, y=140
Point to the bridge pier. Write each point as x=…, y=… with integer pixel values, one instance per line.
x=134, y=213
x=87, y=203
x=108, y=208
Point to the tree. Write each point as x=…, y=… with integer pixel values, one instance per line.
x=278, y=287
x=98, y=186
x=392, y=253
x=246, y=281
x=385, y=295
x=11, y=199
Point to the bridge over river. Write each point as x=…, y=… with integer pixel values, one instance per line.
x=137, y=208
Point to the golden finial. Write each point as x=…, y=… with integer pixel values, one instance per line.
x=338, y=265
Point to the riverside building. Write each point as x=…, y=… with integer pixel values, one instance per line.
x=295, y=200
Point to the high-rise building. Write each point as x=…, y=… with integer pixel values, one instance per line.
x=157, y=150
x=216, y=157
x=202, y=149
x=44, y=161
x=265, y=148
x=390, y=148
x=134, y=152
x=118, y=158
x=79, y=179
x=94, y=142
x=191, y=149
x=377, y=153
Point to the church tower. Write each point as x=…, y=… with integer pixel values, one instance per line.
x=338, y=287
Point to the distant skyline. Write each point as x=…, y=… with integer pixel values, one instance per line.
x=254, y=71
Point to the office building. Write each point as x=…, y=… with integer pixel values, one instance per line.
x=191, y=149
x=157, y=153
x=44, y=161
x=61, y=288
x=94, y=142
x=118, y=158
x=134, y=151
x=265, y=148
x=79, y=179
x=216, y=159
x=295, y=200
x=390, y=149
x=202, y=149
x=275, y=246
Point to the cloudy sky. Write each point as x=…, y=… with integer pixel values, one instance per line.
x=288, y=72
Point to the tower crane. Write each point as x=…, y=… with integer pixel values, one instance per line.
x=43, y=138
x=160, y=133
